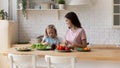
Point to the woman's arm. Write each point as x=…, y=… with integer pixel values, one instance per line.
x=82, y=35
x=83, y=45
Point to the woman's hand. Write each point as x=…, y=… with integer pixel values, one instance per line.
x=67, y=43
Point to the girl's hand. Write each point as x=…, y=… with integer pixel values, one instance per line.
x=45, y=43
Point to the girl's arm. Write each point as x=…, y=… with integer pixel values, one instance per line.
x=44, y=42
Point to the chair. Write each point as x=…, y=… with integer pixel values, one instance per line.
x=23, y=61
x=58, y=61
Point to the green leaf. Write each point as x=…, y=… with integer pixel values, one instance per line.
x=48, y=47
x=33, y=46
x=61, y=1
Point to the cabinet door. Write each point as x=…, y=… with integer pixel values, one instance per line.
x=116, y=12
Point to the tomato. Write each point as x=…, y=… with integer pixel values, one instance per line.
x=67, y=48
x=58, y=47
x=61, y=48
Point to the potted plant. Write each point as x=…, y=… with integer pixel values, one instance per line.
x=23, y=5
x=61, y=4
x=3, y=15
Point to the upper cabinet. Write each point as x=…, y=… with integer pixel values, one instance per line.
x=39, y=4
x=116, y=13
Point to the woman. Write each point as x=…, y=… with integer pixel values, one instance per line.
x=75, y=35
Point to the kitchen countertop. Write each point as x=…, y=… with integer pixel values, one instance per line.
x=98, y=52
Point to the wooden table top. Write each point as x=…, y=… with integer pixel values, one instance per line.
x=109, y=53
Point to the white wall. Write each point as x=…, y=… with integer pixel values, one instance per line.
x=4, y=5
x=96, y=19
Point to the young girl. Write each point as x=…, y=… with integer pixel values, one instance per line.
x=50, y=37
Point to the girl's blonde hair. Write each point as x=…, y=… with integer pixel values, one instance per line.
x=51, y=26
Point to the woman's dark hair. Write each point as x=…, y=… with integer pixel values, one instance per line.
x=74, y=19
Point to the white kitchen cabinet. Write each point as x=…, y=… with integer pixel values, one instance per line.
x=116, y=13
x=8, y=34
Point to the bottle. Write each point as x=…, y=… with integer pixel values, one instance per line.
x=52, y=5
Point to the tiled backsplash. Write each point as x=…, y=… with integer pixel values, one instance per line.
x=96, y=19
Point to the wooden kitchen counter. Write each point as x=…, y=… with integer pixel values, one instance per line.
x=106, y=53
